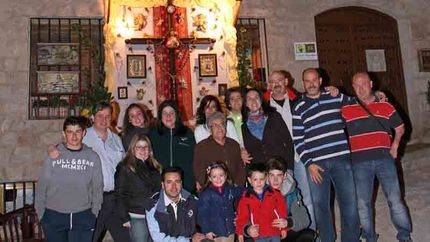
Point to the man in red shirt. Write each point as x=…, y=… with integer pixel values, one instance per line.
x=373, y=152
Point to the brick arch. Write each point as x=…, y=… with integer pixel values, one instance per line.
x=344, y=34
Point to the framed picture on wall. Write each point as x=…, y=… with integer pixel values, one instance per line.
x=208, y=65
x=424, y=60
x=64, y=82
x=58, y=54
x=222, y=89
x=122, y=92
x=136, y=66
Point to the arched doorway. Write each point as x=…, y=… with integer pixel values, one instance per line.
x=344, y=36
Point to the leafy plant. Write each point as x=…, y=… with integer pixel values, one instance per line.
x=40, y=103
x=96, y=91
x=243, y=50
x=56, y=102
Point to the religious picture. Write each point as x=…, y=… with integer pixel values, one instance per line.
x=208, y=65
x=65, y=82
x=424, y=58
x=122, y=92
x=136, y=66
x=57, y=53
x=222, y=89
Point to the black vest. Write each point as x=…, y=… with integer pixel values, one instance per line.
x=185, y=223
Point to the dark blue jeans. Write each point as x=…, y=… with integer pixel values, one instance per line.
x=386, y=172
x=268, y=239
x=66, y=227
x=338, y=172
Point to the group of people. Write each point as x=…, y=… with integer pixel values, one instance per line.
x=262, y=171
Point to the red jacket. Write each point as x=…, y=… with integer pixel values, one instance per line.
x=253, y=211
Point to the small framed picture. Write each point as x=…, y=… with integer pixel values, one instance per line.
x=208, y=65
x=122, y=92
x=424, y=60
x=222, y=89
x=136, y=66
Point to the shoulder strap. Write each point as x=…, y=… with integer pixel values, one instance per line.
x=382, y=125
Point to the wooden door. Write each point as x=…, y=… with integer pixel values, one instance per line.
x=343, y=36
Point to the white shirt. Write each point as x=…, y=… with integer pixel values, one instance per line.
x=168, y=201
x=202, y=132
x=285, y=112
x=287, y=116
x=111, y=152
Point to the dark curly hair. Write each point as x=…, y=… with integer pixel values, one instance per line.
x=264, y=105
x=230, y=91
x=206, y=100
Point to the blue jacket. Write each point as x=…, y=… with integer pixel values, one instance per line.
x=216, y=211
x=162, y=224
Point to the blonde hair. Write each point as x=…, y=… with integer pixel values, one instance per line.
x=130, y=156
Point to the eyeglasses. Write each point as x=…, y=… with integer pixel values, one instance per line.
x=219, y=126
x=141, y=147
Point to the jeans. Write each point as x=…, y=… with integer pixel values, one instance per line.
x=139, y=230
x=66, y=227
x=338, y=172
x=268, y=239
x=386, y=172
x=302, y=182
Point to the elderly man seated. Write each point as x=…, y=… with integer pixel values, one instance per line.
x=218, y=147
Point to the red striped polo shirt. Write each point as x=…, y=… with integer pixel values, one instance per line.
x=369, y=138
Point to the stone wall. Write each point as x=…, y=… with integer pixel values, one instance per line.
x=23, y=142
x=293, y=21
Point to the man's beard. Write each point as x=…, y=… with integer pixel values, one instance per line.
x=279, y=90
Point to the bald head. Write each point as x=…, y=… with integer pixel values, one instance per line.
x=310, y=70
x=360, y=76
x=362, y=85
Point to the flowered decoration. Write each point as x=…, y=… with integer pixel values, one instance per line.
x=199, y=21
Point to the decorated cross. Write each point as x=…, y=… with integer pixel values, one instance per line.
x=172, y=42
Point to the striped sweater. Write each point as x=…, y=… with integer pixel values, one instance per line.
x=318, y=128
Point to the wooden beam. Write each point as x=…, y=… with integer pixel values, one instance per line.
x=186, y=40
x=144, y=41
